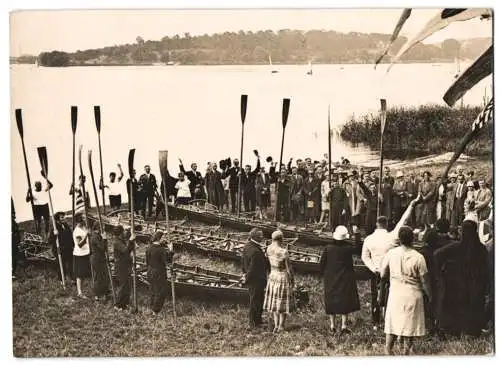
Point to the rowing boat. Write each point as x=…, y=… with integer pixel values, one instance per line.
x=190, y=281
x=309, y=235
x=211, y=242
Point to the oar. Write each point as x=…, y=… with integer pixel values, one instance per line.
x=284, y=119
x=42, y=155
x=74, y=116
x=163, y=162
x=19, y=120
x=101, y=227
x=330, y=168
x=131, y=155
x=383, y=113
x=84, y=194
x=97, y=115
x=244, y=100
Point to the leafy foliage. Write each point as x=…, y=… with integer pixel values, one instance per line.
x=285, y=47
x=419, y=131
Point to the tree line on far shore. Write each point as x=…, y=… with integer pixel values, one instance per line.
x=418, y=131
x=284, y=47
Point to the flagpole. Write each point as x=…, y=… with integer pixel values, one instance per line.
x=383, y=107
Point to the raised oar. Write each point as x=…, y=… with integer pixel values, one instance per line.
x=74, y=116
x=42, y=155
x=84, y=196
x=131, y=155
x=19, y=120
x=284, y=120
x=244, y=100
x=101, y=227
x=97, y=115
x=383, y=114
x=163, y=162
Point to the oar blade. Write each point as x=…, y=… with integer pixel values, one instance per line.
x=244, y=100
x=97, y=115
x=74, y=117
x=42, y=155
x=163, y=162
x=131, y=155
x=286, y=109
x=383, y=113
x=19, y=121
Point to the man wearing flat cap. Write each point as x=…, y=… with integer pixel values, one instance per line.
x=255, y=267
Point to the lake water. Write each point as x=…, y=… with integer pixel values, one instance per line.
x=194, y=113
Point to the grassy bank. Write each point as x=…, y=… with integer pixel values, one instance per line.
x=49, y=322
x=419, y=131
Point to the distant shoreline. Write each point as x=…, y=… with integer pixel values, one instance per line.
x=437, y=62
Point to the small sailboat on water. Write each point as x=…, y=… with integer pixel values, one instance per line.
x=273, y=71
x=310, y=70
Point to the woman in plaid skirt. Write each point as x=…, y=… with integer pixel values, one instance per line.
x=279, y=298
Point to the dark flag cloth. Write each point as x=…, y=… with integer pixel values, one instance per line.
x=441, y=20
x=404, y=16
x=476, y=72
x=484, y=117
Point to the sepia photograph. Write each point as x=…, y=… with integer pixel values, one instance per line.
x=252, y=182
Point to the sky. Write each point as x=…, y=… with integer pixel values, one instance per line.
x=36, y=31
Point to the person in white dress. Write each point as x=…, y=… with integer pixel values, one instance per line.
x=407, y=271
x=183, y=191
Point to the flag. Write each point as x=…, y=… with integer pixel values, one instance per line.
x=404, y=16
x=444, y=18
x=484, y=117
x=476, y=72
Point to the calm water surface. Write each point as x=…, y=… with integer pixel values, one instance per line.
x=194, y=113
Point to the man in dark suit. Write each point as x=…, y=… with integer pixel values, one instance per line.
x=137, y=194
x=255, y=267
x=148, y=185
x=195, y=179
x=460, y=194
x=297, y=195
x=232, y=173
x=263, y=188
x=248, y=180
x=411, y=192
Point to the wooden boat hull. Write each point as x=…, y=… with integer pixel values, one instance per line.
x=239, y=224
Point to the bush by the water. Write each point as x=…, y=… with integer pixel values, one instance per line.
x=413, y=132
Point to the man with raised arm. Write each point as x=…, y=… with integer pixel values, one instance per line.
x=375, y=247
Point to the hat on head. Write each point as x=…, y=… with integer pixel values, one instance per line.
x=340, y=233
x=399, y=174
x=277, y=235
x=255, y=234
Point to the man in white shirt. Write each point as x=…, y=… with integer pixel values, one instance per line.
x=113, y=187
x=375, y=247
x=40, y=199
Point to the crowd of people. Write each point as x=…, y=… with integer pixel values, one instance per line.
x=445, y=287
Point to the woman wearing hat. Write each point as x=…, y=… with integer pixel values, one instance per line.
x=278, y=298
x=407, y=271
x=336, y=266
